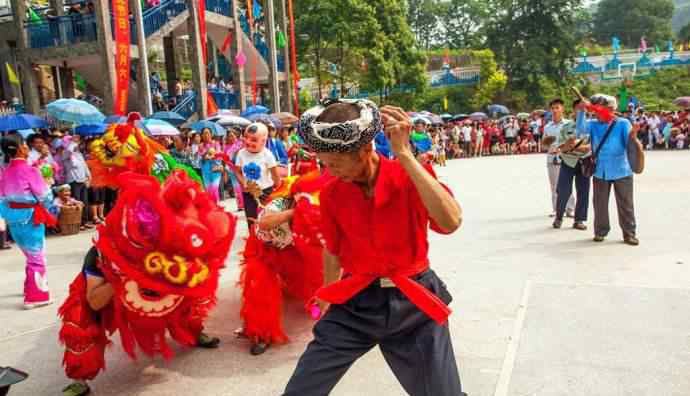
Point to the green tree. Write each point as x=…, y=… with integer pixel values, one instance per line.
x=630, y=20
x=423, y=17
x=399, y=46
x=462, y=21
x=534, y=39
x=684, y=34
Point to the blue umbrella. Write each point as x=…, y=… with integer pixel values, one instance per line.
x=115, y=119
x=155, y=127
x=258, y=109
x=91, y=129
x=25, y=133
x=169, y=116
x=215, y=128
x=74, y=111
x=496, y=109
x=21, y=121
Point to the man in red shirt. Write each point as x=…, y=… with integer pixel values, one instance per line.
x=375, y=217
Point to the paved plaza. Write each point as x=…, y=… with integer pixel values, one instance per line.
x=537, y=311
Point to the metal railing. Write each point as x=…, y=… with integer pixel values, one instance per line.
x=224, y=99
x=187, y=106
x=62, y=31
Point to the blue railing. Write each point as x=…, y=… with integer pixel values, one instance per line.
x=157, y=17
x=187, y=106
x=449, y=78
x=222, y=7
x=224, y=99
x=62, y=31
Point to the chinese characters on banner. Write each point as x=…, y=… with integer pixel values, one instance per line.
x=122, y=42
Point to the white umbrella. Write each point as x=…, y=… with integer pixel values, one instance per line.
x=230, y=121
x=156, y=127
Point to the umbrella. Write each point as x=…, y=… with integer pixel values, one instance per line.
x=478, y=116
x=258, y=109
x=435, y=119
x=459, y=117
x=74, y=111
x=523, y=116
x=506, y=118
x=285, y=117
x=115, y=119
x=683, y=101
x=91, y=129
x=446, y=117
x=421, y=118
x=170, y=117
x=156, y=127
x=216, y=129
x=21, y=121
x=539, y=112
x=496, y=109
x=265, y=118
x=230, y=121
x=25, y=133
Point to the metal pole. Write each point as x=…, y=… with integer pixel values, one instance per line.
x=144, y=82
x=272, y=56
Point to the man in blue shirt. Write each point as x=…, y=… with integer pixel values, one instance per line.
x=612, y=168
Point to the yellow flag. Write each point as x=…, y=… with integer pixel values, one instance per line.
x=11, y=76
x=445, y=103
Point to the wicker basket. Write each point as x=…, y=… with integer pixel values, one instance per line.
x=69, y=220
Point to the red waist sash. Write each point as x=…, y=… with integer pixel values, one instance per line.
x=343, y=290
x=41, y=214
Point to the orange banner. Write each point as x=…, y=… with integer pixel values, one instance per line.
x=122, y=42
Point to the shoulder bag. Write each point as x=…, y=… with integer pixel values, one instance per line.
x=589, y=165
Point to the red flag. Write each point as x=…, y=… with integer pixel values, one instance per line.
x=212, y=106
x=122, y=42
x=226, y=43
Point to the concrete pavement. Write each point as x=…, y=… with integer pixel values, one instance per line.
x=537, y=311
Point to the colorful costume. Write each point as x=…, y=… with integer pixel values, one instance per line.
x=212, y=178
x=161, y=248
x=24, y=202
x=287, y=257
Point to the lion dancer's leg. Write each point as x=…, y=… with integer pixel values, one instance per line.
x=31, y=239
x=189, y=329
x=303, y=276
x=262, y=299
x=84, y=339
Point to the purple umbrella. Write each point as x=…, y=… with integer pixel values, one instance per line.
x=478, y=116
x=683, y=101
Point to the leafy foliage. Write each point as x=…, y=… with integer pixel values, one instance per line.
x=630, y=20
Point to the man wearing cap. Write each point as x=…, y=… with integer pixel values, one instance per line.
x=610, y=135
x=375, y=217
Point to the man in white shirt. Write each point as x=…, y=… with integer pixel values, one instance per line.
x=467, y=139
x=552, y=130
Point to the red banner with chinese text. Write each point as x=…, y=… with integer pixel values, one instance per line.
x=122, y=42
x=202, y=29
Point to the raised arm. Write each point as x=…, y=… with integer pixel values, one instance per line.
x=443, y=209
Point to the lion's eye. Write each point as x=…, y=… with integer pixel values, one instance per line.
x=196, y=241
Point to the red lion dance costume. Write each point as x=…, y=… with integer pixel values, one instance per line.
x=161, y=249
x=287, y=257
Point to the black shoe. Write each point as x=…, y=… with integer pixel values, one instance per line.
x=259, y=348
x=207, y=342
x=599, y=238
x=580, y=226
x=557, y=223
x=632, y=241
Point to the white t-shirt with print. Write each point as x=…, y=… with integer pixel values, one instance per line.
x=257, y=166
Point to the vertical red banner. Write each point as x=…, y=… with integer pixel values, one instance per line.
x=202, y=29
x=122, y=61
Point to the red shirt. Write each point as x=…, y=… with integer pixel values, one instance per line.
x=381, y=236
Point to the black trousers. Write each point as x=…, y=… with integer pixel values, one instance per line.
x=417, y=349
x=80, y=193
x=625, y=203
x=251, y=206
x=565, y=188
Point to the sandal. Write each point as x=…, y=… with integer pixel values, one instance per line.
x=76, y=389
